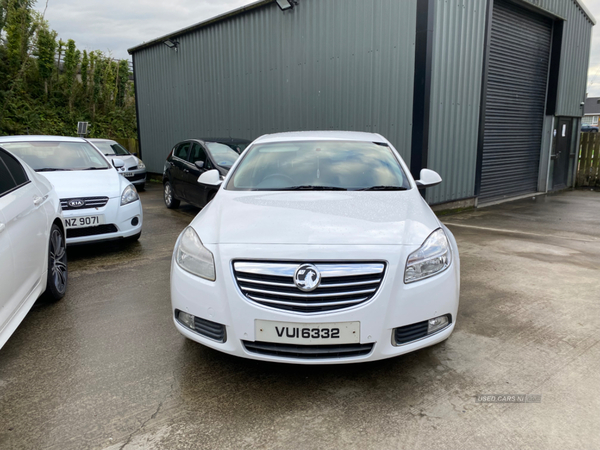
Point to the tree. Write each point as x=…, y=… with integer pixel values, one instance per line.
x=122, y=80
x=72, y=56
x=18, y=31
x=46, y=49
x=85, y=62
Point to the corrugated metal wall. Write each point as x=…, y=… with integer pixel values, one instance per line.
x=335, y=64
x=458, y=49
x=575, y=54
x=459, y=36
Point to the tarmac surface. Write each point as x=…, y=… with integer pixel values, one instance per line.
x=104, y=368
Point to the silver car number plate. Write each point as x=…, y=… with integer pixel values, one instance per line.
x=307, y=333
x=127, y=174
x=82, y=222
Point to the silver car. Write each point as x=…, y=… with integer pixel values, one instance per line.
x=134, y=169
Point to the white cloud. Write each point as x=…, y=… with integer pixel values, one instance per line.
x=115, y=26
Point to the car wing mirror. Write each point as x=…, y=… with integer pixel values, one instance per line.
x=429, y=178
x=210, y=177
x=199, y=164
x=118, y=163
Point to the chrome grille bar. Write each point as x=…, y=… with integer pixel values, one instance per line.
x=90, y=202
x=343, y=285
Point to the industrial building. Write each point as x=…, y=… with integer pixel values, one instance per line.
x=489, y=93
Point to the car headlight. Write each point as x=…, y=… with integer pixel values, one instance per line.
x=141, y=165
x=433, y=257
x=129, y=195
x=193, y=257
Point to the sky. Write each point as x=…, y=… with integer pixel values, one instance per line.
x=113, y=26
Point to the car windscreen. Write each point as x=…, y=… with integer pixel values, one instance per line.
x=52, y=156
x=222, y=154
x=326, y=165
x=111, y=148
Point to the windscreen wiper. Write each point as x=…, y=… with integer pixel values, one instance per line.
x=384, y=188
x=94, y=168
x=49, y=169
x=309, y=187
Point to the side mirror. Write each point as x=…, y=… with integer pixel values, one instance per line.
x=134, y=153
x=199, y=164
x=118, y=163
x=429, y=178
x=210, y=177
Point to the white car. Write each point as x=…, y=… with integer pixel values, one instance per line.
x=33, y=257
x=98, y=204
x=317, y=249
x=134, y=169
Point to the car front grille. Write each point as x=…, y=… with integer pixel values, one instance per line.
x=89, y=202
x=132, y=168
x=308, y=351
x=343, y=285
x=91, y=231
x=409, y=333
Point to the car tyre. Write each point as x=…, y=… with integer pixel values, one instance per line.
x=58, y=272
x=169, y=196
x=141, y=187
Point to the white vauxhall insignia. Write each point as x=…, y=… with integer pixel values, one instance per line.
x=317, y=249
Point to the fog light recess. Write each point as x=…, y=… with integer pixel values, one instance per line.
x=212, y=330
x=185, y=319
x=135, y=221
x=437, y=324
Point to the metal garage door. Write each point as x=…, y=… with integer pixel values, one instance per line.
x=515, y=99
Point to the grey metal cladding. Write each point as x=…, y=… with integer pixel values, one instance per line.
x=459, y=35
x=574, y=55
x=326, y=64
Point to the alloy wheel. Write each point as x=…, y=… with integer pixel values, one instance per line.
x=58, y=261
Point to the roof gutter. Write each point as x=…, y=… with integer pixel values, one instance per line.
x=586, y=11
x=200, y=25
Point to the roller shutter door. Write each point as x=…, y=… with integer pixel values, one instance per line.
x=515, y=100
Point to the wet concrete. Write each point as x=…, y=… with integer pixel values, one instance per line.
x=105, y=368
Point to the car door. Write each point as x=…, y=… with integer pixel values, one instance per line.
x=179, y=168
x=25, y=227
x=196, y=192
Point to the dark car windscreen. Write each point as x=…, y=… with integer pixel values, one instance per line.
x=53, y=156
x=222, y=154
x=334, y=165
x=111, y=149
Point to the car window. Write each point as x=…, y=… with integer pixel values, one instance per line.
x=111, y=148
x=12, y=173
x=52, y=156
x=197, y=154
x=222, y=154
x=319, y=164
x=182, y=150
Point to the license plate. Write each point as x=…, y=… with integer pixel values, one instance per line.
x=307, y=333
x=127, y=174
x=82, y=222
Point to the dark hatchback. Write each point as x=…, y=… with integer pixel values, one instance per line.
x=189, y=159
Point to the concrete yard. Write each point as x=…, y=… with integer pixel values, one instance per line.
x=105, y=367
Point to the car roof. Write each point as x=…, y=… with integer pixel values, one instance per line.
x=100, y=140
x=225, y=140
x=40, y=139
x=321, y=135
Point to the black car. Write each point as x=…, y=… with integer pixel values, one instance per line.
x=188, y=160
x=587, y=128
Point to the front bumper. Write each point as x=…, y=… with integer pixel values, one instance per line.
x=137, y=178
x=394, y=305
x=120, y=222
